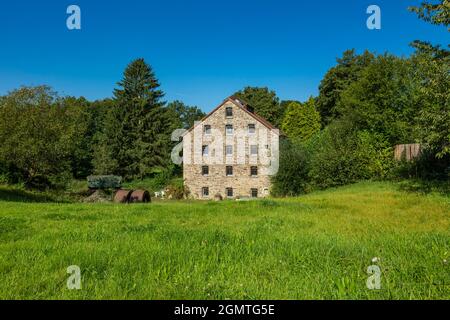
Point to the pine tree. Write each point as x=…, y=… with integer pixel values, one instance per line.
x=136, y=133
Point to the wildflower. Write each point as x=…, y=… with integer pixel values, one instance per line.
x=375, y=259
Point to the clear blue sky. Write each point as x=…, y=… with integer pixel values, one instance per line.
x=201, y=51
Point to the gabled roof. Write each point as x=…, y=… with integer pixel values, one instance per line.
x=241, y=104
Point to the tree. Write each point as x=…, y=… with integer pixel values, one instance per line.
x=39, y=135
x=337, y=79
x=434, y=95
x=301, y=121
x=432, y=72
x=384, y=100
x=264, y=103
x=136, y=135
x=184, y=116
x=292, y=176
x=435, y=12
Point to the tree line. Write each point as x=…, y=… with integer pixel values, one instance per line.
x=367, y=103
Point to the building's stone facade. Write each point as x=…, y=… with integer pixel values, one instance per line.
x=211, y=132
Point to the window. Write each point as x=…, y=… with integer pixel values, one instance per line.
x=205, y=150
x=253, y=171
x=229, y=129
x=229, y=150
x=251, y=128
x=254, y=192
x=205, y=170
x=207, y=129
x=205, y=191
x=229, y=171
x=229, y=192
x=254, y=150
x=229, y=112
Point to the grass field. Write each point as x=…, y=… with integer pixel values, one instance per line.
x=312, y=247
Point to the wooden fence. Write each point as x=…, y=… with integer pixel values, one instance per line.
x=407, y=152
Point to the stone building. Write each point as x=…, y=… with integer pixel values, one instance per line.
x=231, y=153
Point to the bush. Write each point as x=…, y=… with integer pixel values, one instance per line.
x=426, y=167
x=292, y=176
x=176, y=190
x=341, y=155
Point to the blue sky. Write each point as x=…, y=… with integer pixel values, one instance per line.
x=201, y=51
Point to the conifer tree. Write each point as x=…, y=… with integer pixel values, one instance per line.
x=136, y=134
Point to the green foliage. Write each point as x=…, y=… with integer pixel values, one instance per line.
x=427, y=167
x=264, y=102
x=176, y=190
x=433, y=73
x=184, y=116
x=337, y=79
x=301, y=121
x=435, y=11
x=40, y=136
x=384, y=99
x=136, y=135
x=341, y=155
x=292, y=176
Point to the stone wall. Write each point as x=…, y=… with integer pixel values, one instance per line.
x=217, y=181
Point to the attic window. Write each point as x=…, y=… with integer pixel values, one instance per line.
x=207, y=129
x=229, y=112
x=251, y=128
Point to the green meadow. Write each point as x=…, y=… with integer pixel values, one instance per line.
x=316, y=246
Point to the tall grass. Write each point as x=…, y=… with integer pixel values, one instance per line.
x=313, y=247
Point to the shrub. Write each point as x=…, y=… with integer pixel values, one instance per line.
x=292, y=176
x=176, y=190
x=426, y=167
x=341, y=155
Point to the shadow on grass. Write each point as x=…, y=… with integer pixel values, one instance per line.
x=426, y=187
x=18, y=195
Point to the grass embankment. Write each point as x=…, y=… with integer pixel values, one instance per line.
x=313, y=247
